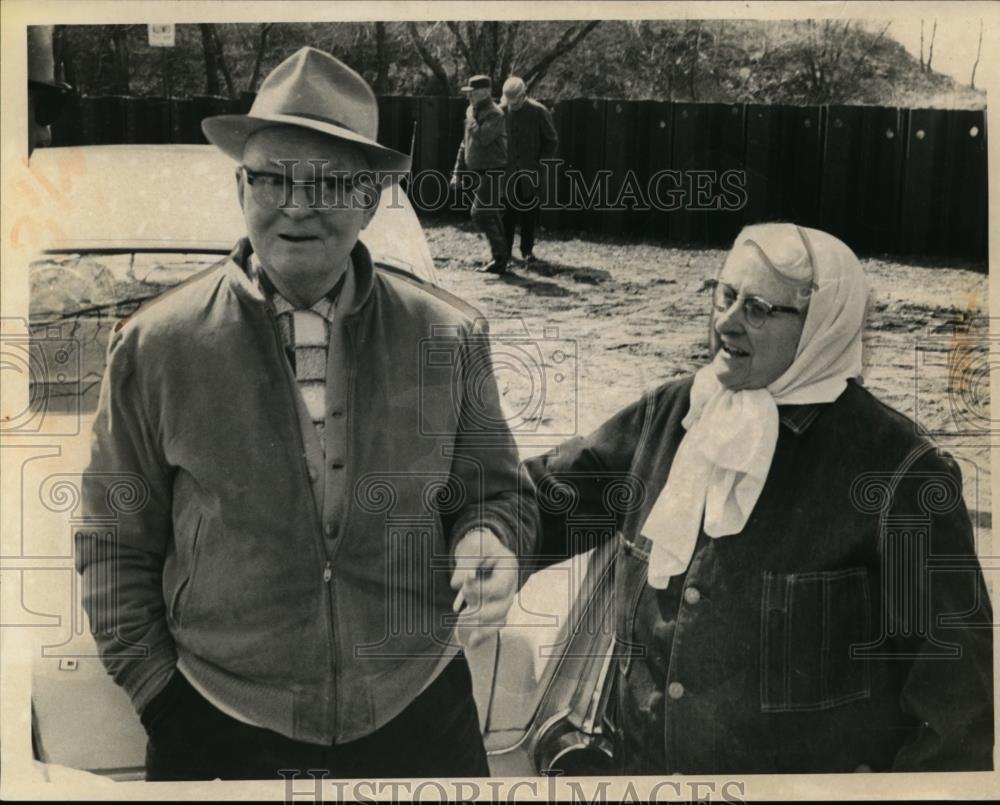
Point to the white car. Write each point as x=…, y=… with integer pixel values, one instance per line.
x=143, y=219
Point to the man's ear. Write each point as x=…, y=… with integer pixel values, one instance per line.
x=240, y=187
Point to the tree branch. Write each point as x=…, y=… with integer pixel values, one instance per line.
x=381, y=60
x=922, y=68
x=571, y=37
x=979, y=50
x=258, y=61
x=507, y=50
x=430, y=59
x=463, y=46
x=208, y=50
x=930, y=49
x=865, y=52
x=221, y=53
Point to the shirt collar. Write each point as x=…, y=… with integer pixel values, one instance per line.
x=358, y=285
x=324, y=306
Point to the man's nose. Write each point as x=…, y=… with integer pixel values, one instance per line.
x=302, y=200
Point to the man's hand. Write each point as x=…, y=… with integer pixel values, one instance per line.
x=486, y=579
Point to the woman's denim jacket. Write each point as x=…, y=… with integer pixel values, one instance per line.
x=846, y=628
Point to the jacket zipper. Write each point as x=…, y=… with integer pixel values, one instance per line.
x=318, y=529
x=348, y=467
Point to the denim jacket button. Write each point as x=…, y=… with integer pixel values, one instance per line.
x=663, y=632
x=675, y=690
x=692, y=595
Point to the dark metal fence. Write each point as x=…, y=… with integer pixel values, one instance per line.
x=906, y=181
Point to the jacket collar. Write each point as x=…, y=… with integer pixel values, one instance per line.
x=798, y=418
x=357, y=288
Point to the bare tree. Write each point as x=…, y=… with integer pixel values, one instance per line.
x=492, y=48
x=381, y=60
x=208, y=52
x=930, y=50
x=432, y=61
x=223, y=64
x=120, y=58
x=695, y=55
x=922, y=46
x=865, y=53
x=262, y=34
x=571, y=37
x=62, y=54
x=979, y=50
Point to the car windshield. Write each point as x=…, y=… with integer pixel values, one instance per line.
x=76, y=300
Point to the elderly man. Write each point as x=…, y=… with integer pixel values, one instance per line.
x=321, y=462
x=483, y=152
x=531, y=137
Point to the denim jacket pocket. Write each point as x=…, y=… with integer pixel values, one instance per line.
x=809, y=623
x=178, y=600
x=632, y=567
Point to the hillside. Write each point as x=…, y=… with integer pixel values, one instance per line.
x=790, y=62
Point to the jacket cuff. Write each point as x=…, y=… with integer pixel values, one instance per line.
x=495, y=524
x=156, y=671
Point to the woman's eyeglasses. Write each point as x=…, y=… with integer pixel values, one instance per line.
x=755, y=310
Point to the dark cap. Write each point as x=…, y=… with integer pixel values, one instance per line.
x=478, y=82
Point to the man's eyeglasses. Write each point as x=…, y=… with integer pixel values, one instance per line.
x=755, y=310
x=324, y=193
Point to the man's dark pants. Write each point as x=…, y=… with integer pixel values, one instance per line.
x=487, y=211
x=437, y=735
x=521, y=208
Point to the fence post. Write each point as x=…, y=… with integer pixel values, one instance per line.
x=622, y=158
x=841, y=182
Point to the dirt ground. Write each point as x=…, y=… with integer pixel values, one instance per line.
x=611, y=318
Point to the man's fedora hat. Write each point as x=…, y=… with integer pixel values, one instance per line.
x=478, y=82
x=313, y=90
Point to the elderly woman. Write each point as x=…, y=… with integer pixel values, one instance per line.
x=796, y=584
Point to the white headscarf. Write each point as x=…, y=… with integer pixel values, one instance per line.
x=725, y=456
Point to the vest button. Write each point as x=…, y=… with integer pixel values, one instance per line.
x=675, y=690
x=692, y=595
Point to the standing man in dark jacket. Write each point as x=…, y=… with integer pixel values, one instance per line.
x=531, y=137
x=483, y=152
